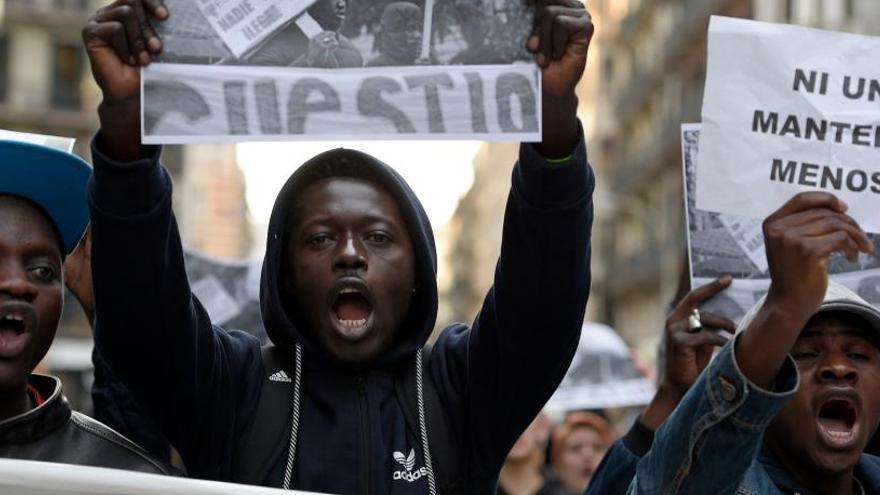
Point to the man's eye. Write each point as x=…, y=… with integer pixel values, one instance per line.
x=318, y=240
x=858, y=356
x=804, y=355
x=378, y=237
x=44, y=273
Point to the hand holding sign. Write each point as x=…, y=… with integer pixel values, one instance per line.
x=563, y=30
x=800, y=237
x=118, y=39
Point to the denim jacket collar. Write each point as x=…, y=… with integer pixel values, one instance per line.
x=867, y=471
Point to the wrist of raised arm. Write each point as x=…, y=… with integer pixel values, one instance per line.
x=560, y=129
x=764, y=346
x=120, y=134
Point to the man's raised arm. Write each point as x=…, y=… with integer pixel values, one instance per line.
x=528, y=329
x=150, y=329
x=713, y=436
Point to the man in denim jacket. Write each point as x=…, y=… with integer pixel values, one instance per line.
x=758, y=421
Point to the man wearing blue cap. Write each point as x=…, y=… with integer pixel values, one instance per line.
x=43, y=214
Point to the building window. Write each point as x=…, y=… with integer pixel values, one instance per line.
x=67, y=74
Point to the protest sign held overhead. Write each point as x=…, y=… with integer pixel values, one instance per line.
x=789, y=109
x=344, y=70
x=720, y=243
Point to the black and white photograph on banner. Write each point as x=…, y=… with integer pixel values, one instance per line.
x=349, y=33
x=721, y=244
x=249, y=70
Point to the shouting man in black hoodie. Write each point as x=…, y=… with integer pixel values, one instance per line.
x=349, y=298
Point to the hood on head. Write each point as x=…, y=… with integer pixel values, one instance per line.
x=282, y=319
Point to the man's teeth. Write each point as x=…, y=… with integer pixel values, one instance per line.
x=348, y=290
x=354, y=323
x=840, y=434
x=13, y=318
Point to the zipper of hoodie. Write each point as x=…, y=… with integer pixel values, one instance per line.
x=365, y=436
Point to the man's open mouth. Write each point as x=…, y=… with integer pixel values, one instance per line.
x=16, y=321
x=352, y=311
x=837, y=422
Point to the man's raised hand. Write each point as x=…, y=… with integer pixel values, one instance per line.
x=799, y=239
x=119, y=39
x=560, y=41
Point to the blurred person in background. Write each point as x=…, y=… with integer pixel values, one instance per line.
x=576, y=449
x=525, y=470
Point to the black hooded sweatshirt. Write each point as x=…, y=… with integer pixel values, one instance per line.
x=201, y=383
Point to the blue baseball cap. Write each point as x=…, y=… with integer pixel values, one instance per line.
x=53, y=180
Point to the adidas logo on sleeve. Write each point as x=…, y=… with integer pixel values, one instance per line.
x=280, y=376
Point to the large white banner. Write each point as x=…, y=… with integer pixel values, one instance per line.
x=789, y=109
x=725, y=244
x=189, y=104
x=254, y=70
x=44, y=478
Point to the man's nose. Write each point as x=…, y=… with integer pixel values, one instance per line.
x=15, y=284
x=350, y=255
x=836, y=368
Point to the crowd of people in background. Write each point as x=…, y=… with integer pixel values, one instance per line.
x=349, y=398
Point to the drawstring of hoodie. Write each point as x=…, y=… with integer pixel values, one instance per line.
x=294, y=423
x=294, y=420
x=423, y=428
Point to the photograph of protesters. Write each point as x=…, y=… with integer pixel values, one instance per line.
x=354, y=33
x=399, y=39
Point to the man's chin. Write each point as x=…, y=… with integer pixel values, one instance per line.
x=354, y=353
x=834, y=463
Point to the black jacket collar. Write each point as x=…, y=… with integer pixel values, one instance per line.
x=40, y=421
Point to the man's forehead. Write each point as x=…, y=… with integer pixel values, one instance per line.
x=329, y=196
x=33, y=224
